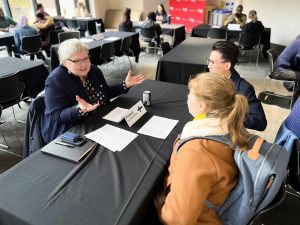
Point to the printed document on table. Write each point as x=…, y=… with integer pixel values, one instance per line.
x=86, y=40
x=111, y=137
x=158, y=127
x=116, y=115
x=112, y=38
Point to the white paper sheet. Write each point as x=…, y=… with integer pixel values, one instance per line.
x=86, y=40
x=158, y=127
x=116, y=115
x=113, y=138
x=112, y=38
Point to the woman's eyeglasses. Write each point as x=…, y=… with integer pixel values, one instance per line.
x=80, y=61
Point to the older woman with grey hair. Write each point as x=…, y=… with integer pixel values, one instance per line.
x=76, y=88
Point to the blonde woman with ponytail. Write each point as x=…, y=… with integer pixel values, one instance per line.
x=204, y=169
x=254, y=26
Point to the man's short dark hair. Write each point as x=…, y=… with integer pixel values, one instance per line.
x=39, y=5
x=40, y=15
x=152, y=16
x=228, y=50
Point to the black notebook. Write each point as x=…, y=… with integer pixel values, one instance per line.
x=74, y=154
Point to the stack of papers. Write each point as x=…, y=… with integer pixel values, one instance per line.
x=86, y=40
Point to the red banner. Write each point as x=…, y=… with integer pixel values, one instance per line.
x=188, y=12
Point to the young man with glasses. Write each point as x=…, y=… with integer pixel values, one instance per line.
x=222, y=60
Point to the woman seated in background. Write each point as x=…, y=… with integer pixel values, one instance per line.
x=161, y=14
x=76, y=88
x=22, y=30
x=255, y=26
x=203, y=169
x=126, y=23
x=81, y=10
x=151, y=23
x=44, y=24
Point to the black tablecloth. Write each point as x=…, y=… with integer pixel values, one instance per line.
x=185, y=60
x=7, y=39
x=177, y=31
x=84, y=23
x=95, y=47
x=112, y=188
x=202, y=30
x=33, y=73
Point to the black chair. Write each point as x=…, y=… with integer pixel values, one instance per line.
x=273, y=55
x=166, y=47
x=217, y=33
x=31, y=45
x=125, y=48
x=107, y=53
x=68, y=35
x=149, y=35
x=249, y=41
x=11, y=92
x=53, y=36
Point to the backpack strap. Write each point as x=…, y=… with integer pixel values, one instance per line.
x=219, y=138
x=254, y=152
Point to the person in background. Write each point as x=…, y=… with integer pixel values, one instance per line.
x=287, y=65
x=22, y=30
x=255, y=26
x=40, y=9
x=203, y=169
x=161, y=14
x=81, y=10
x=238, y=17
x=151, y=23
x=6, y=21
x=222, y=59
x=44, y=24
x=126, y=23
x=76, y=89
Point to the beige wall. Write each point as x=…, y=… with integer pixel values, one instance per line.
x=122, y=4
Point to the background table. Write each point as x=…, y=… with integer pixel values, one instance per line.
x=33, y=73
x=202, y=31
x=84, y=23
x=95, y=47
x=177, y=31
x=185, y=60
x=113, y=187
x=7, y=39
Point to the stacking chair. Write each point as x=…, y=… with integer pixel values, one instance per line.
x=107, y=53
x=149, y=35
x=125, y=48
x=11, y=92
x=249, y=41
x=32, y=45
x=68, y=35
x=217, y=33
x=273, y=55
x=166, y=47
x=53, y=36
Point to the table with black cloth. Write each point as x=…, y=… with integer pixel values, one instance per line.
x=33, y=73
x=112, y=187
x=84, y=23
x=185, y=60
x=95, y=47
x=177, y=31
x=7, y=39
x=202, y=31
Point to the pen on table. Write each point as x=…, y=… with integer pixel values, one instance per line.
x=64, y=144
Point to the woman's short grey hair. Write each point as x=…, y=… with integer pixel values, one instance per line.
x=69, y=47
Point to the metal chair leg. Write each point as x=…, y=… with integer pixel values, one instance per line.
x=20, y=121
